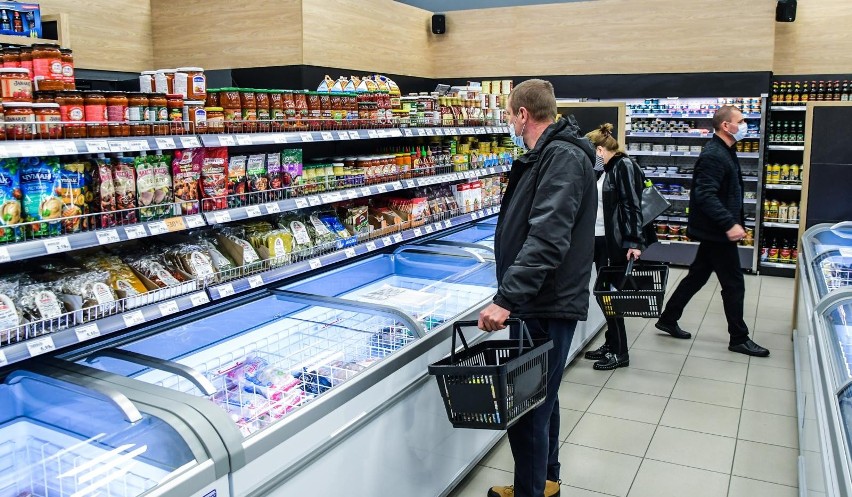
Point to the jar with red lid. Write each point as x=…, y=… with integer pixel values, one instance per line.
x=19, y=120
x=16, y=85
x=117, y=113
x=68, y=68
x=48, y=121
x=72, y=109
x=138, y=115
x=263, y=109
x=174, y=102
x=12, y=58
x=96, y=114
x=248, y=103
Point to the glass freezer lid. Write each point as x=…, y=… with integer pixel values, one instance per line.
x=432, y=288
x=263, y=359
x=58, y=441
x=830, y=254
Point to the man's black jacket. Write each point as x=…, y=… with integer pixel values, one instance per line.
x=544, y=242
x=716, y=199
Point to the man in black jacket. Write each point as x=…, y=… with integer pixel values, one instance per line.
x=544, y=243
x=716, y=220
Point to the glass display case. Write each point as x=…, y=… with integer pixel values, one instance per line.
x=828, y=251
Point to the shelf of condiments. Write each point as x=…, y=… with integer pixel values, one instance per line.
x=785, y=252
x=670, y=126
x=787, y=132
x=693, y=106
x=676, y=232
x=801, y=92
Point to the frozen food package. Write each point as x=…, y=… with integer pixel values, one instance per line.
x=124, y=181
x=256, y=174
x=249, y=254
x=221, y=262
x=164, y=195
x=103, y=189
x=332, y=222
x=278, y=243
x=121, y=277
x=186, y=174
x=319, y=232
x=214, y=178
x=146, y=188
x=39, y=186
x=11, y=210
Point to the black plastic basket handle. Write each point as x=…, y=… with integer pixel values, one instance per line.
x=628, y=274
x=457, y=326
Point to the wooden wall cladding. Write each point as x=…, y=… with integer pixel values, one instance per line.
x=608, y=37
x=818, y=42
x=224, y=34
x=113, y=36
x=381, y=36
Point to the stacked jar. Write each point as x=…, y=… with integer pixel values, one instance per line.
x=17, y=102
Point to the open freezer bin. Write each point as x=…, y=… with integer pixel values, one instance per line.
x=70, y=436
x=827, y=250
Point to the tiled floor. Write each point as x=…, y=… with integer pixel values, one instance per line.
x=687, y=417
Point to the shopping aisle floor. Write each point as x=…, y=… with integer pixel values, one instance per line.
x=687, y=417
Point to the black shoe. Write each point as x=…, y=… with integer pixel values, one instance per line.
x=597, y=355
x=749, y=348
x=612, y=361
x=673, y=330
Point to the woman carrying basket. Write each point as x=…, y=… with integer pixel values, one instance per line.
x=620, y=213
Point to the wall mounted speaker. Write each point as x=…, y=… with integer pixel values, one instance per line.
x=785, y=11
x=439, y=24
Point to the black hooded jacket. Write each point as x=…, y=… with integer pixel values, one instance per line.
x=544, y=241
x=716, y=200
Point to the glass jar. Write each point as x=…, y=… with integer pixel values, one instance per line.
x=276, y=109
x=117, y=113
x=248, y=103
x=158, y=113
x=12, y=58
x=215, y=119
x=2, y=123
x=164, y=81
x=48, y=121
x=68, y=68
x=314, y=105
x=73, y=112
x=196, y=83
x=44, y=97
x=19, y=119
x=194, y=116
x=96, y=114
x=212, y=99
x=363, y=164
x=138, y=114
x=263, y=109
x=146, y=81
x=230, y=102
x=47, y=66
x=16, y=85
x=27, y=58
x=174, y=103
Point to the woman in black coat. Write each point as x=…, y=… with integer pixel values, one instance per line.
x=619, y=234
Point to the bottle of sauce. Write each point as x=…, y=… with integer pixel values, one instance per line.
x=215, y=119
x=96, y=115
x=12, y=58
x=20, y=120
x=27, y=58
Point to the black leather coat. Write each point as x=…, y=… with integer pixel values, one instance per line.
x=622, y=205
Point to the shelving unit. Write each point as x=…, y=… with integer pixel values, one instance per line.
x=672, y=167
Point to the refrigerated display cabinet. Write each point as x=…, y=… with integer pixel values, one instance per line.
x=828, y=250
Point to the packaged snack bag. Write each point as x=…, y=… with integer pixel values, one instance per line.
x=186, y=174
x=214, y=178
x=41, y=195
x=103, y=190
x=124, y=180
x=237, y=180
x=11, y=210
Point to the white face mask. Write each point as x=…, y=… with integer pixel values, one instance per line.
x=741, y=132
x=518, y=140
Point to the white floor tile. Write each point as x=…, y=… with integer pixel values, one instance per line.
x=479, y=480
x=712, y=350
x=768, y=463
x=641, y=381
x=765, y=376
x=581, y=371
x=660, y=362
x=770, y=429
x=660, y=479
x=568, y=420
x=613, y=434
x=770, y=400
x=598, y=470
x=629, y=405
x=714, y=369
x=704, y=418
x=744, y=487
x=693, y=449
x=777, y=359
x=576, y=396
x=714, y=392
x=500, y=457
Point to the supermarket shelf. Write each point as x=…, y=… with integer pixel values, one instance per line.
x=291, y=204
x=687, y=176
x=792, y=226
x=779, y=265
x=36, y=148
x=683, y=253
x=105, y=326
x=685, y=115
x=786, y=147
x=637, y=153
x=244, y=284
x=749, y=200
x=783, y=187
x=680, y=219
x=677, y=197
x=788, y=108
x=75, y=241
x=644, y=134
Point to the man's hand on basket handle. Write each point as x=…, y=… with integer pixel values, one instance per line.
x=633, y=254
x=493, y=318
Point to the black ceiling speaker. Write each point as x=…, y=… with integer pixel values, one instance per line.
x=785, y=11
x=439, y=24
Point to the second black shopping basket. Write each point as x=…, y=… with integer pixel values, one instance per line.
x=492, y=384
x=632, y=292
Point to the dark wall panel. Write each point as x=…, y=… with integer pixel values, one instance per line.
x=830, y=167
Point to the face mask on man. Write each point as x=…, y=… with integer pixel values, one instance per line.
x=518, y=140
x=741, y=132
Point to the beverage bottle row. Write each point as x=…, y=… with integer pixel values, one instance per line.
x=777, y=174
x=786, y=132
x=785, y=252
x=780, y=212
x=801, y=92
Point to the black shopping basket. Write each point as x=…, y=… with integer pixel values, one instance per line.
x=492, y=384
x=632, y=293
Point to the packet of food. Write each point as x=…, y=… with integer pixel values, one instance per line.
x=237, y=180
x=156, y=272
x=38, y=302
x=121, y=277
x=278, y=244
x=39, y=186
x=11, y=210
x=92, y=287
x=164, y=195
x=291, y=163
x=124, y=180
x=277, y=177
x=146, y=187
x=10, y=316
x=103, y=189
x=256, y=173
x=193, y=260
x=302, y=243
x=186, y=173
x=214, y=178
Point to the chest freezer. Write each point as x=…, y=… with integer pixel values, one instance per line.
x=478, y=239
x=827, y=250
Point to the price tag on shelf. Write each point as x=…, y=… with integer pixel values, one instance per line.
x=491, y=170
x=133, y=318
x=489, y=211
x=139, y=145
x=107, y=236
x=326, y=136
x=175, y=224
x=32, y=149
x=350, y=194
x=225, y=290
x=417, y=232
x=165, y=143
x=474, y=216
x=97, y=147
x=314, y=201
x=255, y=281
x=64, y=147
x=253, y=211
x=134, y=232
x=306, y=137
x=272, y=208
x=381, y=188
x=315, y=263
x=279, y=138
x=40, y=346
x=452, y=131
x=3, y=360
x=116, y=146
x=222, y=217
x=227, y=141
x=397, y=238
x=4, y=255
x=480, y=131
x=350, y=253
x=158, y=228
x=168, y=308
x=244, y=139
x=428, y=229
x=372, y=133
x=199, y=298
x=667, y=135
x=354, y=135
x=397, y=185
x=194, y=221
x=386, y=241
x=420, y=182
x=371, y=246
x=366, y=192
x=430, y=132
x=407, y=132
x=439, y=131
x=409, y=183
x=342, y=135
x=56, y=245
x=448, y=224
x=87, y=332
x=189, y=142
x=301, y=203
